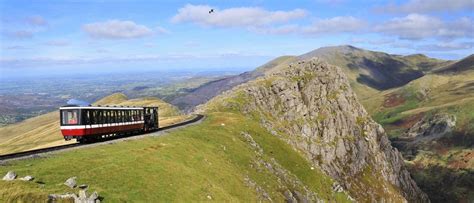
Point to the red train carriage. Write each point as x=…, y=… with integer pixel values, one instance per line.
x=92, y=123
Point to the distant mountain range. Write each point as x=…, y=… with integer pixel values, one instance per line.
x=368, y=72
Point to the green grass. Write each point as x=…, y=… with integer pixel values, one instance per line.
x=186, y=164
x=394, y=114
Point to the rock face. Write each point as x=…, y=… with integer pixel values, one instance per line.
x=310, y=105
x=432, y=127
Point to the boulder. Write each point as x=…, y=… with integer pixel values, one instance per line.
x=11, y=175
x=71, y=182
x=27, y=178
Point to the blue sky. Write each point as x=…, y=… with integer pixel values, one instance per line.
x=122, y=35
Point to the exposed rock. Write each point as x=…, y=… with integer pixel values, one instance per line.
x=11, y=175
x=262, y=194
x=82, y=194
x=432, y=127
x=27, y=178
x=94, y=197
x=337, y=188
x=81, y=198
x=71, y=182
x=56, y=197
x=313, y=105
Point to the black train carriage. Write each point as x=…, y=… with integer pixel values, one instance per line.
x=92, y=123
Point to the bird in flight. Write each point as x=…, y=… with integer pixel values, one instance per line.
x=211, y=11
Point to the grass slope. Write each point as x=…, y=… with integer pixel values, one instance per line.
x=210, y=160
x=449, y=159
x=43, y=131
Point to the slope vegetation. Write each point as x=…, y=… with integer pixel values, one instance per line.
x=430, y=120
x=44, y=131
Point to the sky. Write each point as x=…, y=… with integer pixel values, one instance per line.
x=75, y=36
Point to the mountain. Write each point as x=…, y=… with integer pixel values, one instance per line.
x=375, y=70
x=297, y=134
x=466, y=64
x=430, y=121
x=43, y=131
x=209, y=90
x=368, y=71
x=310, y=106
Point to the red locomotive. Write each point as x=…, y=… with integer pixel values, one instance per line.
x=88, y=123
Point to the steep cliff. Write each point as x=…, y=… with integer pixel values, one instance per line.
x=310, y=105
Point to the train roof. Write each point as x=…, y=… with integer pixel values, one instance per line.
x=102, y=107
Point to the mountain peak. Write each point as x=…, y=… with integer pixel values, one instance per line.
x=311, y=106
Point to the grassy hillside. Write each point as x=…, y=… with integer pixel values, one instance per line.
x=43, y=131
x=449, y=158
x=209, y=161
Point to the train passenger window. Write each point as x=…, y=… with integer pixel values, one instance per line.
x=70, y=117
x=86, y=117
x=93, y=116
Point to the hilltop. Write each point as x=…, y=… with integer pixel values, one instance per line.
x=369, y=72
x=43, y=131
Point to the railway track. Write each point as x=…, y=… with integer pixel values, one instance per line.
x=39, y=152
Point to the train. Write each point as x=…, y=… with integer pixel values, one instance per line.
x=92, y=123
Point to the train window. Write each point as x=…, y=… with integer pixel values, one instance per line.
x=70, y=117
x=86, y=117
x=93, y=116
x=112, y=119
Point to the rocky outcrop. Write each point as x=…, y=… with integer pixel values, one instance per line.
x=432, y=127
x=311, y=106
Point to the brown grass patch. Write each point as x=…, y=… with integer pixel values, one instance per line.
x=393, y=100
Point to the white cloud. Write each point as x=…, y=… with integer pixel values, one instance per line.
x=36, y=21
x=424, y=6
x=249, y=17
x=161, y=30
x=337, y=24
x=116, y=29
x=21, y=34
x=416, y=26
x=448, y=46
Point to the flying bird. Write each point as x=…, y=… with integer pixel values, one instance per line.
x=211, y=11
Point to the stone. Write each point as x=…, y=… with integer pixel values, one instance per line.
x=209, y=197
x=71, y=182
x=55, y=197
x=27, y=178
x=82, y=194
x=94, y=196
x=83, y=186
x=11, y=175
x=337, y=188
